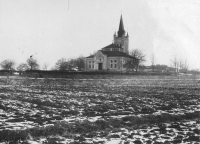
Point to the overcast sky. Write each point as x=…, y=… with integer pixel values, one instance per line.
x=52, y=29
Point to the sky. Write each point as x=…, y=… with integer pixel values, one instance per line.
x=54, y=29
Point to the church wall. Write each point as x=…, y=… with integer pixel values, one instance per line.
x=118, y=62
x=87, y=64
x=106, y=64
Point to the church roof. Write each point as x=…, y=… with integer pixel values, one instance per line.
x=115, y=54
x=121, y=30
x=112, y=46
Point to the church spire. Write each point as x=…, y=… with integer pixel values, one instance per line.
x=121, y=31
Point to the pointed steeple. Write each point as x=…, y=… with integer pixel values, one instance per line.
x=121, y=31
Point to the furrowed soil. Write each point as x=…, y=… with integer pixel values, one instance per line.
x=114, y=109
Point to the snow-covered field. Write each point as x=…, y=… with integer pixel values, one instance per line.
x=111, y=110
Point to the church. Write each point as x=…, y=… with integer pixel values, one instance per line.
x=113, y=56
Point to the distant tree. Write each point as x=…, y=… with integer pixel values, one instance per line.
x=22, y=67
x=153, y=62
x=175, y=64
x=32, y=64
x=180, y=64
x=71, y=64
x=130, y=63
x=45, y=66
x=61, y=64
x=80, y=63
x=137, y=58
x=183, y=65
x=7, y=64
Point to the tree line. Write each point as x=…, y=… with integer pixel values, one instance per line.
x=136, y=59
x=33, y=64
x=76, y=64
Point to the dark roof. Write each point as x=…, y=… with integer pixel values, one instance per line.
x=113, y=54
x=112, y=46
x=116, y=53
x=121, y=30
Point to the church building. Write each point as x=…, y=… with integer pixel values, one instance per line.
x=113, y=56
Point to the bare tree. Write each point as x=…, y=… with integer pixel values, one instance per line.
x=7, y=64
x=80, y=63
x=45, y=66
x=175, y=64
x=153, y=62
x=130, y=63
x=140, y=57
x=33, y=64
x=137, y=58
x=71, y=64
x=61, y=64
x=22, y=67
x=180, y=64
x=185, y=66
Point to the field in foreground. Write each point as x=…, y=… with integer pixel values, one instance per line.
x=115, y=110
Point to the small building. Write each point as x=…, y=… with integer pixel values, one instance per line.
x=113, y=56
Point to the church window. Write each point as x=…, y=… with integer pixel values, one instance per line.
x=115, y=63
x=111, y=63
x=91, y=64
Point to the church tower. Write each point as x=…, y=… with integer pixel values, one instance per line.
x=121, y=39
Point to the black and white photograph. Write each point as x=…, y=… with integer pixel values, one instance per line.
x=99, y=71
